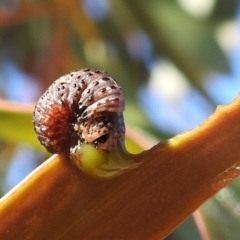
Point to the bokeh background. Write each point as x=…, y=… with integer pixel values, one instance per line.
x=175, y=59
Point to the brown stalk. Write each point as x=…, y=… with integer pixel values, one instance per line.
x=59, y=202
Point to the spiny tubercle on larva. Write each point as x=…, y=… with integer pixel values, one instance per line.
x=84, y=106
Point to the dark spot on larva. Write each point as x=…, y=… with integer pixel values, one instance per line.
x=78, y=77
x=95, y=83
x=90, y=74
x=113, y=87
x=103, y=90
x=86, y=70
x=90, y=98
x=79, y=111
x=116, y=99
x=74, y=85
x=97, y=71
x=101, y=139
x=63, y=87
x=58, y=89
x=105, y=78
x=72, y=75
x=78, y=88
x=82, y=81
x=84, y=114
x=88, y=91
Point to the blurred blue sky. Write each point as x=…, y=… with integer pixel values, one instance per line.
x=183, y=108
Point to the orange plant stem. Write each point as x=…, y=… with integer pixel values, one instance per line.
x=59, y=202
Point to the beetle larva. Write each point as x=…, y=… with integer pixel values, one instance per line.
x=83, y=106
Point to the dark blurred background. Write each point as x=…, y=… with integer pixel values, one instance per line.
x=175, y=59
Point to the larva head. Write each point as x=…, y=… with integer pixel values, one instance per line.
x=84, y=106
x=103, y=131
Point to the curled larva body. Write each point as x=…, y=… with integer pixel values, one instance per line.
x=84, y=106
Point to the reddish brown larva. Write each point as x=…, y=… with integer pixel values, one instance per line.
x=81, y=106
